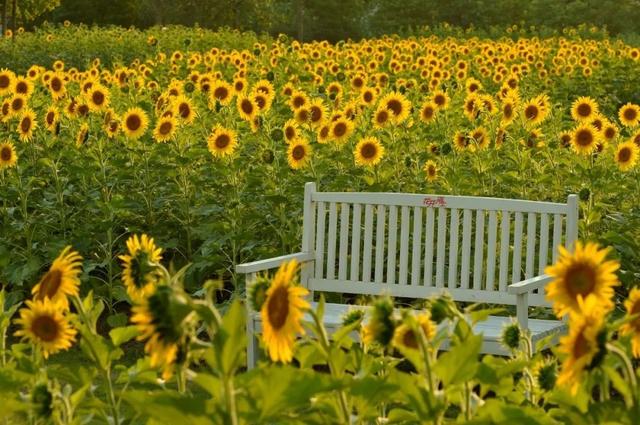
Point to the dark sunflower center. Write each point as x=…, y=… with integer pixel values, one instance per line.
x=581, y=346
x=278, y=307
x=580, y=280
x=113, y=126
x=45, y=328
x=239, y=86
x=531, y=112
x=624, y=155
x=303, y=115
x=83, y=110
x=260, y=101
x=316, y=114
x=431, y=171
x=50, y=117
x=409, y=339
x=368, y=96
x=630, y=114
x=17, y=104
x=98, y=98
x=140, y=268
x=565, y=139
x=185, y=110
x=56, y=84
x=165, y=128
x=324, y=131
x=134, y=122
x=22, y=87
x=4, y=81
x=298, y=153
x=439, y=100
x=25, y=124
x=340, y=129
x=395, y=106
x=368, y=151
x=222, y=141
x=584, y=138
x=298, y=101
x=290, y=133
x=427, y=112
x=609, y=132
x=247, y=107
x=584, y=109
x=382, y=117
x=6, y=154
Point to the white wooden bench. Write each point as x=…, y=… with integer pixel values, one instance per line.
x=479, y=250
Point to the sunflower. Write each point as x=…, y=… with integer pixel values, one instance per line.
x=27, y=125
x=298, y=153
x=291, y=130
x=472, y=106
x=582, y=345
x=161, y=325
x=368, y=152
x=222, y=141
x=23, y=86
x=44, y=325
x=584, y=139
x=112, y=127
x=626, y=155
x=508, y=110
x=629, y=115
x=405, y=338
x=282, y=312
x=135, y=123
x=431, y=170
x=398, y=105
x=481, y=137
x=165, y=129
x=98, y=98
x=440, y=99
x=565, y=138
x=302, y=115
x=581, y=274
x=17, y=104
x=8, y=155
x=428, y=112
x=51, y=118
x=632, y=304
x=317, y=112
x=61, y=280
x=381, y=118
x=83, y=135
x=183, y=109
x=461, y=141
x=609, y=131
x=140, y=273
x=298, y=99
x=57, y=87
x=583, y=109
x=247, y=108
x=368, y=96
x=6, y=81
x=341, y=129
x=324, y=133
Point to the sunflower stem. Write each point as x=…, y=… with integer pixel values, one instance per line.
x=230, y=397
x=628, y=368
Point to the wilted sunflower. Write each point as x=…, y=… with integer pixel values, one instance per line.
x=298, y=153
x=44, y=325
x=247, y=108
x=431, y=170
x=135, y=123
x=481, y=137
x=282, y=312
x=8, y=155
x=584, y=139
x=368, y=152
x=632, y=304
x=341, y=129
x=629, y=115
x=582, y=344
x=583, y=109
x=222, y=141
x=140, y=273
x=626, y=155
x=165, y=129
x=61, y=280
x=398, y=105
x=581, y=274
x=405, y=338
x=162, y=327
x=83, y=134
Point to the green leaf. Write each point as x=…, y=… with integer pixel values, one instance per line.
x=117, y=320
x=170, y=407
x=121, y=335
x=460, y=364
x=229, y=343
x=619, y=384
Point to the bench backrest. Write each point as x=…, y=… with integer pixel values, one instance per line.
x=412, y=245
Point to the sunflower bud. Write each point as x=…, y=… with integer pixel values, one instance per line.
x=268, y=157
x=381, y=326
x=42, y=400
x=441, y=308
x=256, y=52
x=446, y=149
x=340, y=76
x=276, y=134
x=257, y=292
x=352, y=317
x=270, y=76
x=189, y=87
x=511, y=336
x=321, y=90
x=547, y=375
x=584, y=194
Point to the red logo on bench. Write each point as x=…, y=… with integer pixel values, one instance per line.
x=434, y=202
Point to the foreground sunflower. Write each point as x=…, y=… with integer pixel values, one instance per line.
x=222, y=141
x=632, y=305
x=8, y=155
x=404, y=337
x=282, y=312
x=61, y=280
x=584, y=139
x=629, y=115
x=581, y=274
x=582, y=344
x=141, y=275
x=44, y=325
x=368, y=152
x=135, y=123
x=626, y=155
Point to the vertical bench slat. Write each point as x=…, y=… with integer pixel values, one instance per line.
x=504, y=250
x=442, y=240
x=557, y=235
x=478, y=251
x=453, y=248
x=517, y=248
x=417, y=246
x=380, y=228
x=355, y=243
x=368, y=243
x=333, y=233
x=393, y=240
x=466, y=249
x=531, y=245
x=491, y=249
x=428, y=248
x=404, y=245
x=344, y=241
x=544, y=243
x=319, y=260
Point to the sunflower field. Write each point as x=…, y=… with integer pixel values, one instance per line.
x=138, y=168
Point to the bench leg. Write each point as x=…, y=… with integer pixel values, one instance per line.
x=253, y=345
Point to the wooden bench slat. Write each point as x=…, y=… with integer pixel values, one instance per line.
x=428, y=252
x=453, y=248
x=492, y=232
x=442, y=240
x=517, y=248
x=478, y=251
x=531, y=245
x=466, y=249
x=557, y=236
x=544, y=243
x=416, y=252
x=344, y=241
x=380, y=229
x=405, y=222
x=333, y=233
x=319, y=268
x=504, y=250
x=355, y=242
x=368, y=243
x=392, y=241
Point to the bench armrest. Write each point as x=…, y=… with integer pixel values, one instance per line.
x=272, y=263
x=529, y=285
